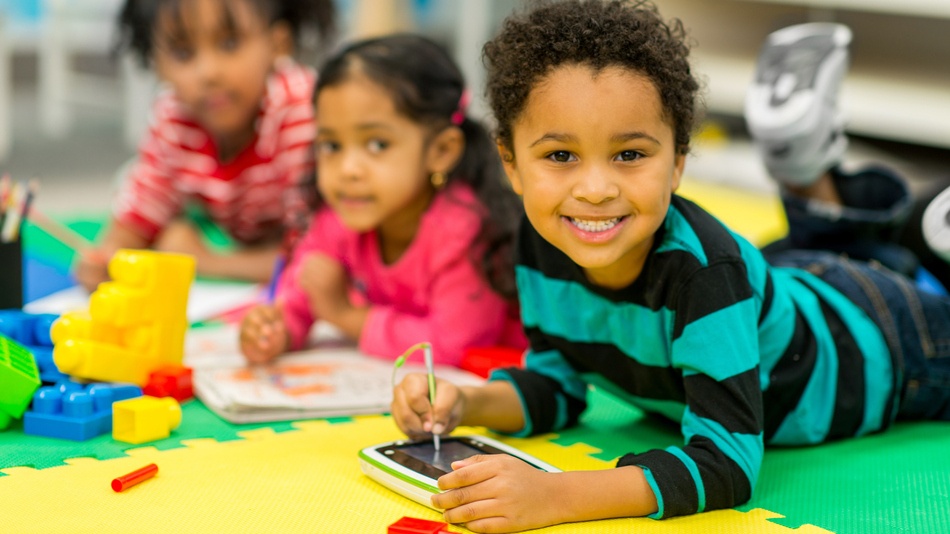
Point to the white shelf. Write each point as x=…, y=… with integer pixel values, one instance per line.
x=920, y=8
x=906, y=107
x=897, y=88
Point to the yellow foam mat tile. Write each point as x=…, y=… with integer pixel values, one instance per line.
x=307, y=480
x=757, y=216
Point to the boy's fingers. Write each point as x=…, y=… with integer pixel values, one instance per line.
x=416, y=389
x=406, y=418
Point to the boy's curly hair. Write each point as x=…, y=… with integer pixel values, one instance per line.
x=599, y=33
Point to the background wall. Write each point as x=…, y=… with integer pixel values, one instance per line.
x=70, y=113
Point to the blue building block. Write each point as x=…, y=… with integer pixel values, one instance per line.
x=70, y=410
x=32, y=330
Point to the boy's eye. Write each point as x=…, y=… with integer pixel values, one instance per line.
x=376, y=146
x=629, y=155
x=561, y=156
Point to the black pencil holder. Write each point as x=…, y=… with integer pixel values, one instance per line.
x=11, y=274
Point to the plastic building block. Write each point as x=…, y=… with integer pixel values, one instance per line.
x=144, y=419
x=70, y=410
x=481, y=360
x=413, y=525
x=19, y=378
x=135, y=324
x=32, y=330
x=139, y=475
x=170, y=381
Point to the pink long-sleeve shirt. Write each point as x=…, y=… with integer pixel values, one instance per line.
x=434, y=292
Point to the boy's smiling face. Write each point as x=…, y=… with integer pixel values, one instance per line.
x=595, y=163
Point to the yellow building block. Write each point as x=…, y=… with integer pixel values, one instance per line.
x=135, y=324
x=144, y=419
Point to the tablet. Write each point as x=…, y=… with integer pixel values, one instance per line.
x=410, y=468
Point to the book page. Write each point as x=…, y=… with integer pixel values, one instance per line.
x=332, y=379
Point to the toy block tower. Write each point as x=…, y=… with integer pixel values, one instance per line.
x=19, y=378
x=135, y=324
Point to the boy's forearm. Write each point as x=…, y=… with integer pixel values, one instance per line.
x=495, y=405
x=604, y=494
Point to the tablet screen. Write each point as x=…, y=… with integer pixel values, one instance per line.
x=450, y=451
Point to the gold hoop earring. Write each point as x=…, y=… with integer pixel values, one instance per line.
x=437, y=179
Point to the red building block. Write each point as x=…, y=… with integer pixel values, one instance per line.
x=413, y=525
x=481, y=360
x=170, y=381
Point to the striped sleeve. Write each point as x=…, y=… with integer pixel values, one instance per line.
x=552, y=394
x=715, y=345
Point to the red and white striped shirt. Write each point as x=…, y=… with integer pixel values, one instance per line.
x=251, y=197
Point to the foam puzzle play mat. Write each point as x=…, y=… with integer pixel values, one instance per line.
x=304, y=476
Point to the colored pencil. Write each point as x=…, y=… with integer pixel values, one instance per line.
x=31, y=191
x=60, y=232
x=4, y=193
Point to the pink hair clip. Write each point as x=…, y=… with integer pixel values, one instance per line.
x=458, y=117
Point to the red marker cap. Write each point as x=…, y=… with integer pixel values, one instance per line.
x=133, y=478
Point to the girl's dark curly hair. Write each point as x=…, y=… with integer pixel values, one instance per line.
x=427, y=87
x=598, y=33
x=137, y=19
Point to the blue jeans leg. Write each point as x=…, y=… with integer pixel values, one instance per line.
x=915, y=323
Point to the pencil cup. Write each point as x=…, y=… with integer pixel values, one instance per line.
x=11, y=274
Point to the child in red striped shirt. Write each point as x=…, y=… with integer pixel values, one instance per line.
x=231, y=133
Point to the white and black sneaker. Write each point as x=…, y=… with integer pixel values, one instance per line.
x=935, y=225
x=791, y=108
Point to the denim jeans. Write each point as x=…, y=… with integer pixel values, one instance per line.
x=915, y=324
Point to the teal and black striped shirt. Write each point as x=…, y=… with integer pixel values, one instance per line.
x=739, y=352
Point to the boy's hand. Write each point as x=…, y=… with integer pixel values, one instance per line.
x=499, y=493
x=327, y=285
x=92, y=268
x=264, y=335
x=416, y=417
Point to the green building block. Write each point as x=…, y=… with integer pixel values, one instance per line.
x=19, y=378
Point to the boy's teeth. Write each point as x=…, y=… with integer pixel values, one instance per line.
x=595, y=226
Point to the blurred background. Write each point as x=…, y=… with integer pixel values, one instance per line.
x=71, y=112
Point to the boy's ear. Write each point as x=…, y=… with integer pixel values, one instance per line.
x=511, y=170
x=282, y=39
x=445, y=150
x=678, y=165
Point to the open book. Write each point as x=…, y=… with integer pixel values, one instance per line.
x=328, y=381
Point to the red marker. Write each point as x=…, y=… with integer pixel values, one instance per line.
x=133, y=478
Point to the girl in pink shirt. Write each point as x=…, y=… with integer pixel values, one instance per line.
x=412, y=242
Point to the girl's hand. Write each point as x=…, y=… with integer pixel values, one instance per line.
x=264, y=335
x=326, y=284
x=416, y=416
x=500, y=493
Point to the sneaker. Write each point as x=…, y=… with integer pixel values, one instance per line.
x=791, y=108
x=935, y=225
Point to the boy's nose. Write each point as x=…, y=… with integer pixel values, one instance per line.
x=595, y=186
